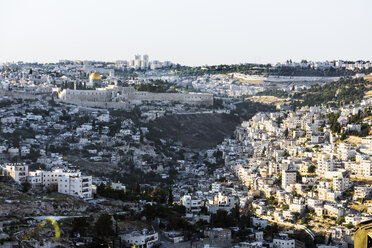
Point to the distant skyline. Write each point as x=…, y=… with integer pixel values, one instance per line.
x=189, y=32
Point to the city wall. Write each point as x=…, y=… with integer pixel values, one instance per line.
x=192, y=98
x=106, y=105
x=22, y=95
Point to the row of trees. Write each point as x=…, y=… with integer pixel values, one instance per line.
x=159, y=195
x=308, y=71
x=101, y=230
x=260, y=69
x=343, y=91
x=274, y=92
x=356, y=119
x=156, y=86
x=220, y=69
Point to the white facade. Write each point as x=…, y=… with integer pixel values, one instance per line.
x=17, y=171
x=13, y=152
x=341, y=183
x=191, y=204
x=223, y=202
x=142, y=239
x=216, y=187
x=44, y=178
x=362, y=192
x=286, y=243
x=73, y=183
x=118, y=186
x=288, y=178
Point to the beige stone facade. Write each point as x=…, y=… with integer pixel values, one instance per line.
x=110, y=97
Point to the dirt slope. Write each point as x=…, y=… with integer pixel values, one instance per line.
x=201, y=131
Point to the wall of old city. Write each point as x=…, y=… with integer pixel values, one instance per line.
x=117, y=95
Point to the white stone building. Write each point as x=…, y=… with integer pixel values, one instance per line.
x=44, y=178
x=192, y=204
x=17, y=171
x=287, y=243
x=73, y=183
x=288, y=178
x=138, y=239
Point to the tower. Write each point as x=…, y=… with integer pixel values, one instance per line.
x=145, y=61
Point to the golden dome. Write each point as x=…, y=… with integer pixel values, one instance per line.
x=94, y=76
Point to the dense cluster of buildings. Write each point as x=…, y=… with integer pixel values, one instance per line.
x=285, y=167
x=137, y=63
x=310, y=168
x=348, y=65
x=142, y=62
x=72, y=85
x=293, y=171
x=237, y=84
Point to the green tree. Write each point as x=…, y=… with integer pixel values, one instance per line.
x=138, y=188
x=25, y=186
x=340, y=220
x=170, y=196
x=34, y=154
x=298, y=177
x=311, y=169
x=203, y=210
x=349, y=226
x=221, y=219
x=80, y=225
x=103, y=226
x=286, y=132
x=272, y=201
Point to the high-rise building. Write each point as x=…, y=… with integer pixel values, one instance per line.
x=145, y=61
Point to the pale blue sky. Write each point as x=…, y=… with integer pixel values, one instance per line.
x=191, y=32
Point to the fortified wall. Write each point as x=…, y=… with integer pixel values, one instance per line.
x=118, y=96
x=192, y=98
x=22, y=95
x=97, y=104
x=86, y=95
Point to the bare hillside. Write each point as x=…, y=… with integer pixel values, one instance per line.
x=194, y=130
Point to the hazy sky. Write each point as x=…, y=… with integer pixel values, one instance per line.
x=191, y=32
